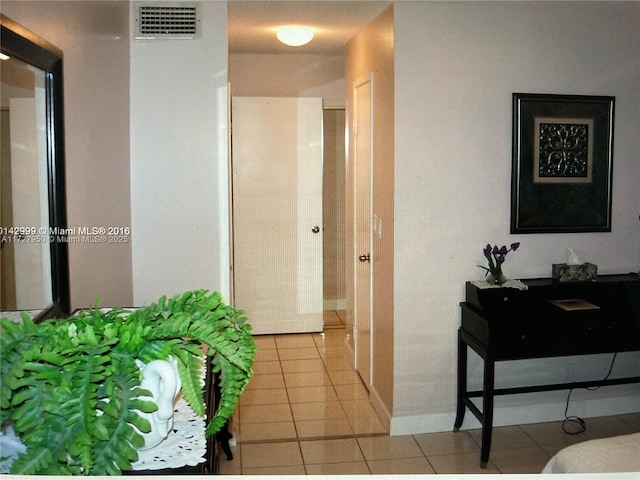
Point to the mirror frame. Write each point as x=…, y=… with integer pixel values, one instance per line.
x=20, y=43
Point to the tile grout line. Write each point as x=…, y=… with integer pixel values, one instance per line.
x=364, y=457
x=286, y=390
x=424, y=454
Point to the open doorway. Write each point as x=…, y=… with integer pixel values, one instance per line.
x=333, y=205
x=354, y=38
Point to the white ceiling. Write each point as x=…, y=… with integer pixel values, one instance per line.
x=252, y=24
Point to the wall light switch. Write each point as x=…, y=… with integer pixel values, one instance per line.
x=377, y=228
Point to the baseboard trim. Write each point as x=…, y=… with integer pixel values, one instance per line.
x=524, y=413
x=351, y=354
x=380, y=408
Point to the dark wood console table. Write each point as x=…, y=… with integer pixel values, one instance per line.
x=502, y=324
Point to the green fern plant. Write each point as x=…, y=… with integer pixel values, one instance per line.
x=70, y=387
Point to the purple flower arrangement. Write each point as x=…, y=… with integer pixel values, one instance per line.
x=495, y=257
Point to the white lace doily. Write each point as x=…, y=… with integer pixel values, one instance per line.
x=508, y=284
x=186, y=445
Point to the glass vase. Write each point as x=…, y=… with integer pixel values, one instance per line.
x=496, y=277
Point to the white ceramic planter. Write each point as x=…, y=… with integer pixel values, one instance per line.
x=161, y=378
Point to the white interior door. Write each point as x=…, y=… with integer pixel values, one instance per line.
x=277, y=212
x=363, y=128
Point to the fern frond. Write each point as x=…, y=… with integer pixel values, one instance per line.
x=33, y=463
x=192, y=388
x=116, y=453
x=43, y=451
x=158, y=349
x=232, y=383
x=79, y=409
x=19, y=344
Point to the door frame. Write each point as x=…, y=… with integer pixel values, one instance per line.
x=366, y=376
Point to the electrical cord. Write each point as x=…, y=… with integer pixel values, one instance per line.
x=574, y=425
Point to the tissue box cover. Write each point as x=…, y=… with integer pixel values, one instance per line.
x=586, y=272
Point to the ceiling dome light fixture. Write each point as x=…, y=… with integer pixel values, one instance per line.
x=294, y=36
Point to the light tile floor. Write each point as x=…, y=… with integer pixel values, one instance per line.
x=306, y=412
x=334, y=319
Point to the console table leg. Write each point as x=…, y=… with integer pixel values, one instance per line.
x=462, y=383
x=487, y=410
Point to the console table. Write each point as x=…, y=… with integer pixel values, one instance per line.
x=543, y=319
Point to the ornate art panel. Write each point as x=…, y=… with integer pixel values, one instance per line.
x=562, y=160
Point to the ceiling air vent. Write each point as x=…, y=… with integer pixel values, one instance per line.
x=167, y=20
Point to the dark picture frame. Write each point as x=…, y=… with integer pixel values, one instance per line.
x=562, y=163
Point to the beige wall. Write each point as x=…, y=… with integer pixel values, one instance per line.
x=94, y=37
x=179, y=161
x=372, y=50
x=288, y=75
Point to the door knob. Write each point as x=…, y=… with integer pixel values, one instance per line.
x=365, y=258
x=315, y=229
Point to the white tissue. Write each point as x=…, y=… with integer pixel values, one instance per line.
x=573, y=258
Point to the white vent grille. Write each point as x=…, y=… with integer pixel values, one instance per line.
x=167, y=20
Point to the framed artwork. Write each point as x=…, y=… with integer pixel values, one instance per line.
x=562, y=163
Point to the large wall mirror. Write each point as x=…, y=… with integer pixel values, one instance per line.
x=34, y=271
